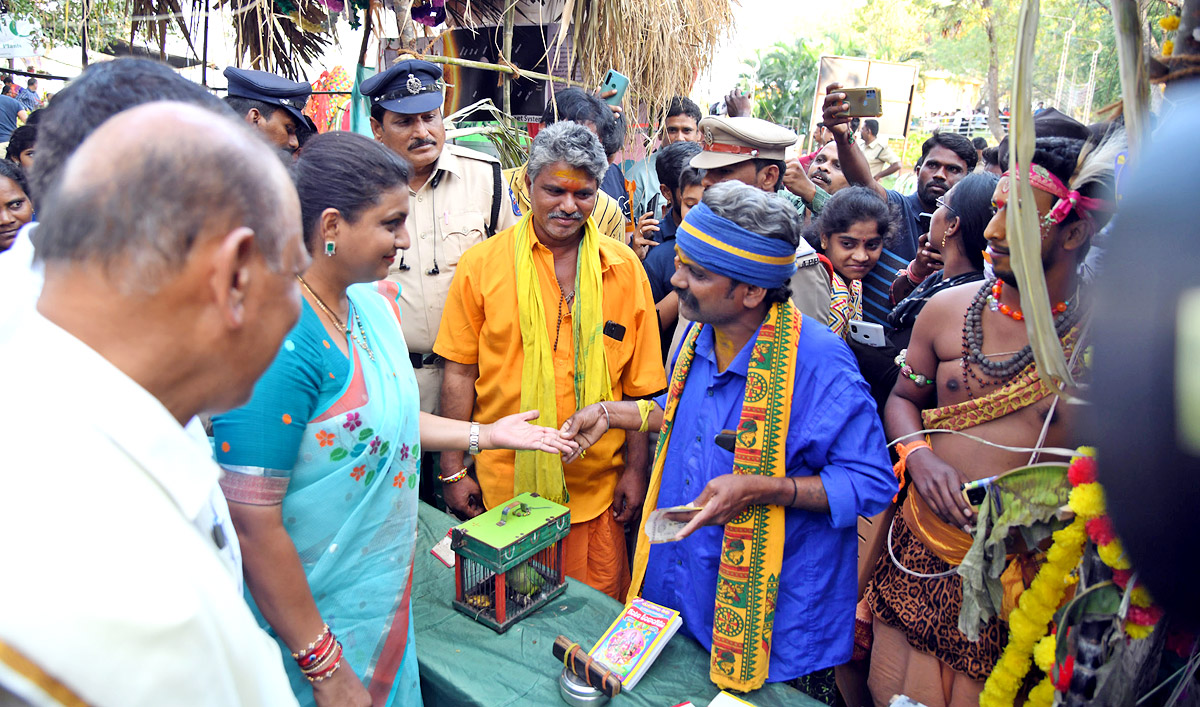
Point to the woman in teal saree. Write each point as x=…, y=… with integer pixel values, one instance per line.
x=321, y=466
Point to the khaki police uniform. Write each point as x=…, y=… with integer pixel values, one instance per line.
x=450, y=213
x=463, y=202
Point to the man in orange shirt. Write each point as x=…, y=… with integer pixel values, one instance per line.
x=552, y=315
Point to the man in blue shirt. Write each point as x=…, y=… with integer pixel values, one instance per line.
x=835, y=460
x=946, y=157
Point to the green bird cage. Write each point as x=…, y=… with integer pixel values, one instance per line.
x=510, y=560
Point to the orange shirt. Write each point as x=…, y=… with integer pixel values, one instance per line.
x=480, y=326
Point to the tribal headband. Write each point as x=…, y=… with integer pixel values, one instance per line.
x=722, y=246
x=1068, y=200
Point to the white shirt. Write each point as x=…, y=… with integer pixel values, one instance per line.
x=112, y=579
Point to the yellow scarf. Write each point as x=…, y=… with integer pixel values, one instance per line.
x=542, y=472
x=752, y=549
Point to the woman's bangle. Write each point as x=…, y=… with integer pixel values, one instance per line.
x=607, y=419
x=795, y=488
x=913, y=278
x=320, y=639
x=453, y=478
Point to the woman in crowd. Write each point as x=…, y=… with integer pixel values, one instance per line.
x=957, y=232
x=321, y=465
x=21, y=146
x=851, y=232
x=16, y=209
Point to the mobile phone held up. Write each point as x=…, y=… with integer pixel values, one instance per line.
x=614, y=81
x=864, y=102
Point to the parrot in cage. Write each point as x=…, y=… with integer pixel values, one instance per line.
x=524, y=579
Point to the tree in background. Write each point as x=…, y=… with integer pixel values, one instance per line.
x=783, y=78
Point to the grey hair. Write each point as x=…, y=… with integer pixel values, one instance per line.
x=141, y=219
x=755, y=210
x=568, y=142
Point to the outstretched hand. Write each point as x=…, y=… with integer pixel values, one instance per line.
x=515, y=432
x=584, y=428
x=834, y=111
x=797, y=182
x=737, y=104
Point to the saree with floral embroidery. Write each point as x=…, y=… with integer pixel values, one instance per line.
x=335, y=440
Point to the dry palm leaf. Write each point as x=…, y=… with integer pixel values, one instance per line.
x=1023, y=233
x=1131, y=56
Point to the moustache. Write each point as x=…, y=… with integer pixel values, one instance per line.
x=576, y=216
x=685, y=297
x=422, y=142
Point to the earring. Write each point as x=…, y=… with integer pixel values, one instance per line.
x=330, y=247
x=944, y=237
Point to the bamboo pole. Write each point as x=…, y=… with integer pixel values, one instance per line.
x=1131, y=60
x=510, y=14
x=454, y=61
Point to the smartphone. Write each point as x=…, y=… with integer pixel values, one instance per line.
x=864, y=102
x=614, y=80
x=867, y=333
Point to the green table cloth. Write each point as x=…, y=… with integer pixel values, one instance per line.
x=465, y=663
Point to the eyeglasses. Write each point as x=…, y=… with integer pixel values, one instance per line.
x=941, y=203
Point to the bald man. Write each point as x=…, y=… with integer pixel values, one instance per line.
x=171, y=242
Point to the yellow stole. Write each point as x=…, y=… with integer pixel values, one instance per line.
x=752, y=549
x=542, y=472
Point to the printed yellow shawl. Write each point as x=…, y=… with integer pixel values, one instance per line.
x=752, y=548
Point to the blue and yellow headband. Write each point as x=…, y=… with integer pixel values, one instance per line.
x=722, y=246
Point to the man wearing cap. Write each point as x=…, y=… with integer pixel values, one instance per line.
x=456, y=201
x=751, y=151
x=270, y=103
x=768, y=427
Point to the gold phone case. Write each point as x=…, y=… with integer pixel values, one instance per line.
x=864, y=102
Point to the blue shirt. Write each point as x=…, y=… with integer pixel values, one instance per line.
x=9, y=108
x=877, y=285
x=833, y=431
x=660, y=261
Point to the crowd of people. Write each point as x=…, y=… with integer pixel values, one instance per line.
x=274, y=343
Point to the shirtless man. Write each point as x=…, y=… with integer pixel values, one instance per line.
x=972, y=342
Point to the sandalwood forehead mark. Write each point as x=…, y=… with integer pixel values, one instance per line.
x=576, y=178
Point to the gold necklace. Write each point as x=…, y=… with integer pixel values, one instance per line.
x=348, y=331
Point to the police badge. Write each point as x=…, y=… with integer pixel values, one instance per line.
x=413, y=84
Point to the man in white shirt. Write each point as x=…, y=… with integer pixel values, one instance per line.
x=170, y=241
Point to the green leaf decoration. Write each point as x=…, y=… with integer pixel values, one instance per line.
x=383, y=449
x=338, y=454
x=412, y=481
x=365, y=433
x=1022, y=498
x=370, y=477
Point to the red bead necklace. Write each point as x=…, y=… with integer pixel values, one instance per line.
x=998, y=306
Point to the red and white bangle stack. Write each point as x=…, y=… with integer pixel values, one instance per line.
x=322, y=657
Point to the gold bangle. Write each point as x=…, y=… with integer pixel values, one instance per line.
x=453, y=478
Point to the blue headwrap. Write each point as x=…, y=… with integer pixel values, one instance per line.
x=722, y=246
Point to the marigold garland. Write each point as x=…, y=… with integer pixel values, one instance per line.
x=1091, y=521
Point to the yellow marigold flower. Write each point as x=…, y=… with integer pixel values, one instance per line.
x=1043, y=653
x=1140, y=596
x=1137, y=632
x=1042, y=695
x=1168, y=48
x=1170, y=23
x=1087, y=500
x=1113, y=555
x=1084, y=452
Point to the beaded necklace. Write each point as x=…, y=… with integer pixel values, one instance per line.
x=1001, y=370
x=998, y=306
x=347, y=330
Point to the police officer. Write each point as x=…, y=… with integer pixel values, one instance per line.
x=270, y=103
x=752, y=151
x=456, y=202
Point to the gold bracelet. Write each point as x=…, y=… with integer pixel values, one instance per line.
x=453, y=478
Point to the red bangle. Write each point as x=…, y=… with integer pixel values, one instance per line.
x=317, y=642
